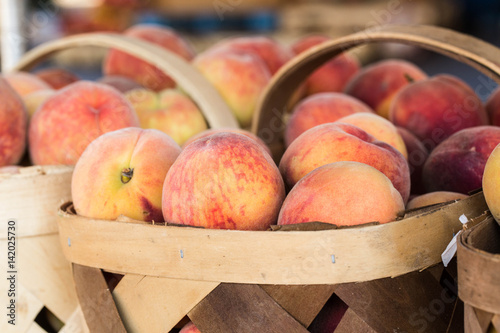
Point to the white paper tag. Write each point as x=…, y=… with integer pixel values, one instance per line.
x=451, y=249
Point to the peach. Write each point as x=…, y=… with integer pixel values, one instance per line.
x=122, y=173
x=67, y=122
x=211, y=131
x=435, y=108
x=335, y=142
x=223, y=181
x=432, y=198
x=13, y=123
x=25, y=83
x=189, y=328
x=378, y=83
x=342, y=193
x=457, y=164
x=240, y=77
x=381, y=129
x=57, y=77
x=320, y=109
x=121, y=83
x=417, y=155
x=120, y=63
x=272, y=53
x=493, y=107
x=35, y=99
x=169, y=111
x=333, y=75
x=491, y=183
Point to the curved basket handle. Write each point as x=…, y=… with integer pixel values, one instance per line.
x=267, y=122
x=201, y=91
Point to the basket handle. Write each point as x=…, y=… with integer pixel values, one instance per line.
x=212, y=105
x=268, y=119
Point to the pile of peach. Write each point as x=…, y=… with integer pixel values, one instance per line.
x=362, y=143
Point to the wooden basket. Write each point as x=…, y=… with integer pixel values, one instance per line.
x=31, y=197
x=478, y=275
x=277, y=281
x=43, y=274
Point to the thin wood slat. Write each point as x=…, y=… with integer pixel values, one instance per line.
x=301, y=302
x=412, y=302
x=96, y=301
x=75, y=323
x=154, y=304
x=471, y=321
x=495, y=321
x=242, y=308
x=47, y=274
x=28, y=307
x=351, y=322
x=293, y=258
x=35, y=328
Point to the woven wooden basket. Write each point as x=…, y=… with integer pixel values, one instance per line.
x=43, y=274
x=479, y=274
x=31, y=197
x=278, y=281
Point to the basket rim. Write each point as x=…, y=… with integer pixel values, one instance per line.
x=234, y=256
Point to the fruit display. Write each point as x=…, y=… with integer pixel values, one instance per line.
x=384, y=157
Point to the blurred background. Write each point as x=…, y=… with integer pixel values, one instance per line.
x=26, y=23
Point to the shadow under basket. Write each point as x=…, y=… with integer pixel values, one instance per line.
x=479, y=276
x=390, y=275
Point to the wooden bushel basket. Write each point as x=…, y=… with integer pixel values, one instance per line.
x=43, y=274
x=390, y=275
x=479, y=275
x=29, y=198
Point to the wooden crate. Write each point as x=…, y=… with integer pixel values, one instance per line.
x=478, y=275
x=277, y=281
